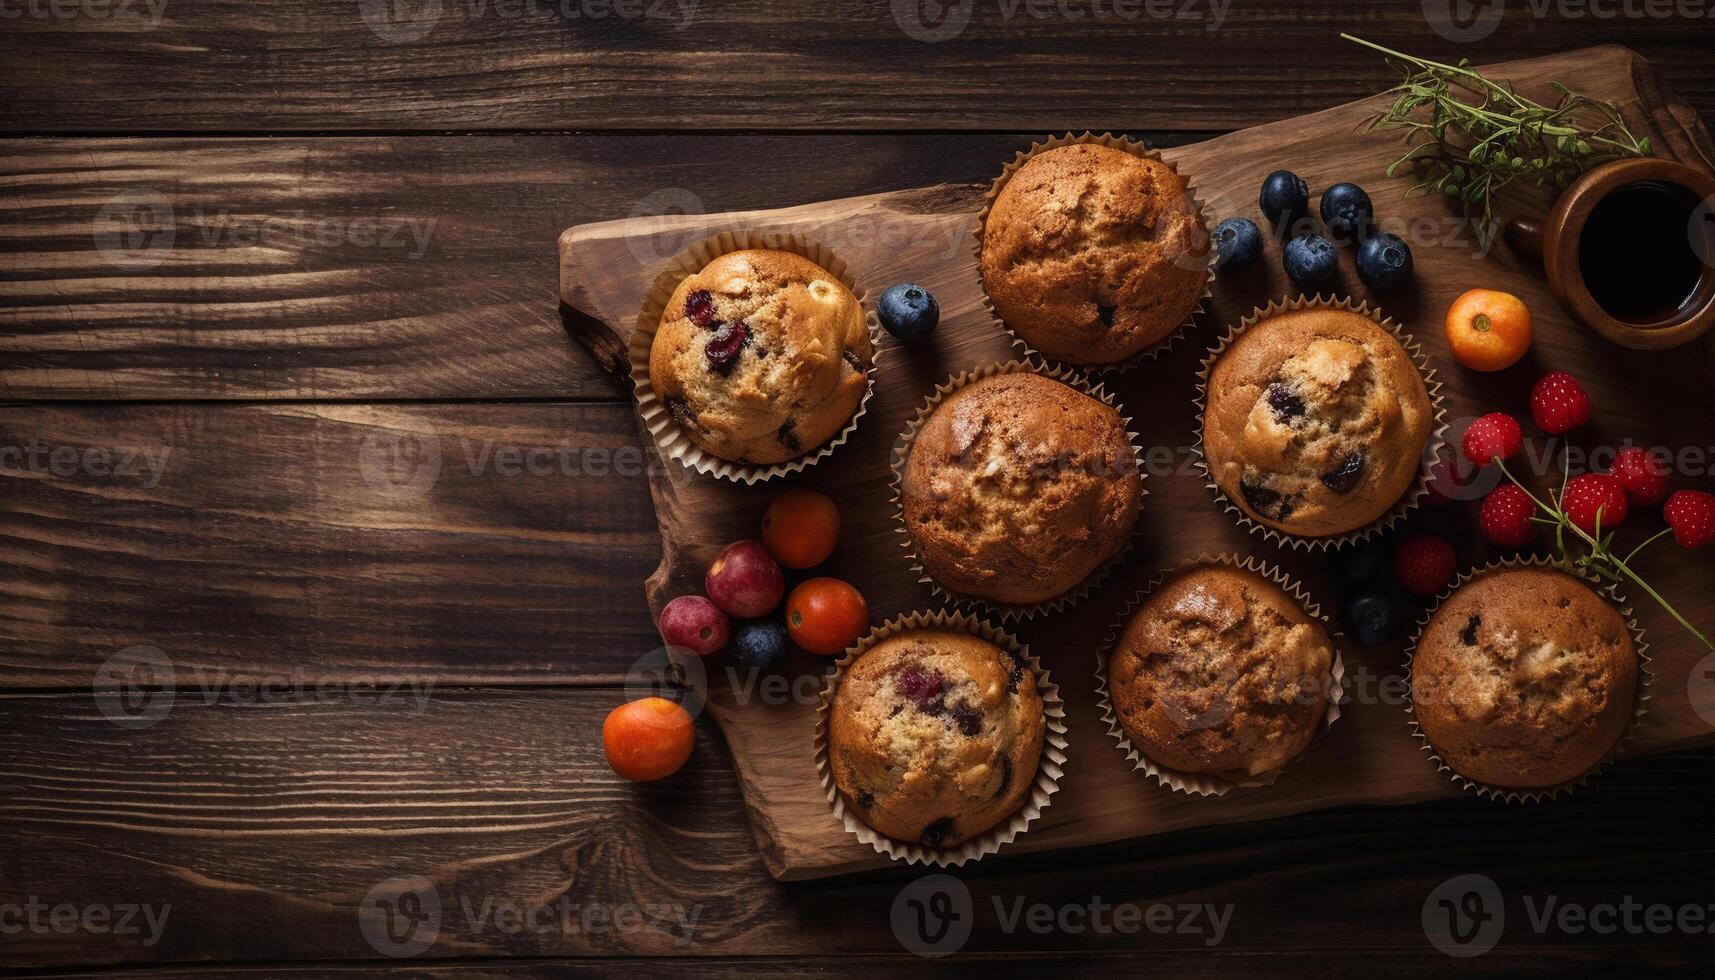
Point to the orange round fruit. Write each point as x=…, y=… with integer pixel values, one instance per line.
x=826, y=615
x=800, y=528
x=649, y=738
x=1488, y=330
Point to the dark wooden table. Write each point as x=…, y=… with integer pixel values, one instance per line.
x=242, y=240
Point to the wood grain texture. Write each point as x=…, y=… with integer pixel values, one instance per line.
x=921, y=236
x=452, y=542
x=265, y=826
x=748, y=64
x=376, y=268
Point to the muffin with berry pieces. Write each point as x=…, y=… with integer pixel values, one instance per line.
x=1092, y=254
x=1017, y=487
x=761, y=356
x=935, y=736
x=1221, y=672
x=1316, y=421
x=1524, y=679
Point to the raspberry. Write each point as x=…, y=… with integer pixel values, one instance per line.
x=1505, y=517
x=700, y=307
x=920, y=685
x=1593, y=494
x=1643, y=474
x=1559, y=404
x=728, y=342
x=1691, y=514
x=1495, y=434
x=1423, y=563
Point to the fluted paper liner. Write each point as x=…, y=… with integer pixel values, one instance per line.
x=902, y=453
x=1048, y=770
x=1609, y=594
x=1212, y=784
x=670, y=438
x=1413, y=496
x=1135, y=148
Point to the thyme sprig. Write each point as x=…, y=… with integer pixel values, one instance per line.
x=1598, y=556
x=1467, y=136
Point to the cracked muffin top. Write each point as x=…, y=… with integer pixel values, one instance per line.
x=1220, y=671
x=1092, y=254
x=1316, y=421
x=935, y=736
x=1017, y=487
x=1524, y=678
x=761, y=356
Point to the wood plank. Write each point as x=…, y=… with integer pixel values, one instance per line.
x=453, y=542
x=747, y=64
x=265, y=826
x=378, y=268
x=1651, y=398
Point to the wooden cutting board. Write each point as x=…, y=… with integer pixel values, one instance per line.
x=924, y=235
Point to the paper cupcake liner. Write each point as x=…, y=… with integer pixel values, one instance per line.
x=1048, y=771
x=1211, y=784
x=1609, y=594
x=1413, y=496
x=669, y=437
x=1135, y=148
x=902, y=453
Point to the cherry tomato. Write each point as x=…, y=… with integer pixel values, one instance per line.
x=826, y=615
x=801, y=528
x=646, y=739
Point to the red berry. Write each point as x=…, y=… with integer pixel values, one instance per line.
x=728, y=342
x=1424, y=563
x=745, y=580
x=1505, y=517
x=700, y=307
x=1594, y=493
x=694, y=623
x=1643, y=474
x=1495, y=434
x=1691, y=514
x=1559, y=403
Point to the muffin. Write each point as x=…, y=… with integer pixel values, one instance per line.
x=1018, y=487
x=1316, y=421
x=1092, y=254
x=1220, y=671
x=935, y=736
x=1524, y=679
x=761, y=356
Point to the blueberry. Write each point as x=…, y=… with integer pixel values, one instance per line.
x=760, y=643
x=1239, y=242
x=1310, y=261
x=1383, y=260
x=1373, y=617
x=1347, y=212
x=1285, y=200
x=1363, y=566
x=908, y=312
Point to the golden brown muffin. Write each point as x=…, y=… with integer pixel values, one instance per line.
x=1524, y=679
x=1092, y=254
x=1221, y=672
x=1017, y=487
x=1316, y=421
x=935, y=736
x=761, y=356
